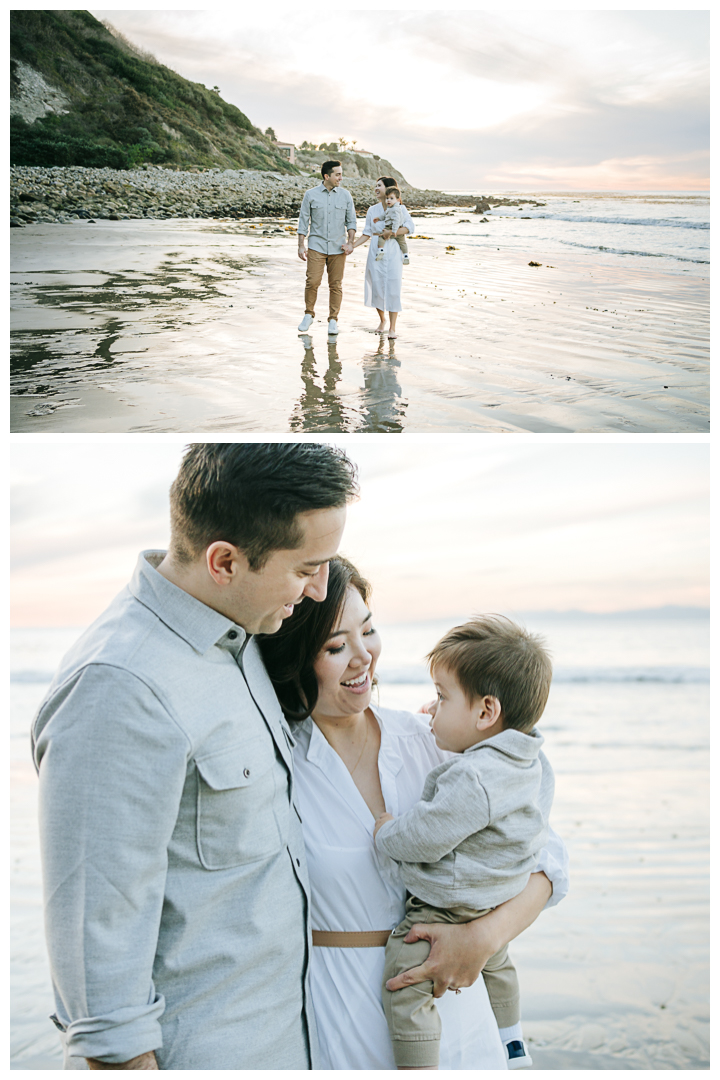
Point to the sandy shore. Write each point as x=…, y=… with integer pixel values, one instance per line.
x=190, y=325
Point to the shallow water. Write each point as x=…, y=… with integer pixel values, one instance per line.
x=189, y=325
x=616, y=977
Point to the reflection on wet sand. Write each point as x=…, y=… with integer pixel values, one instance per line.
x=325, y=404
x=186, y=325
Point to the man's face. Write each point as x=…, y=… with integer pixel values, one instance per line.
x=335, y=177
x=260, y=600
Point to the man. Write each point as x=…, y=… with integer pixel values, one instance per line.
x=176, y=894
x=326, y=213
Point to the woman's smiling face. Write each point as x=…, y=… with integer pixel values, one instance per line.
x=380, y=189
x=347, y=660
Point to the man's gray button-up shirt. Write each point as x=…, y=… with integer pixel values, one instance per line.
x=325, y=217
x=176, y=899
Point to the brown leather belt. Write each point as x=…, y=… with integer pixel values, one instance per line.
x=340, y=939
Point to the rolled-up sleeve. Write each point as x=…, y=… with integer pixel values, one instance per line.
x=554, y=863
x=304, y=219
x=407, y=220
x=112, y=765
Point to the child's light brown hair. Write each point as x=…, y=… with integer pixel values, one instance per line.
x=394, y=191
x=491, y=655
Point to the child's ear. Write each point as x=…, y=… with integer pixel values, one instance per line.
x=488, y=713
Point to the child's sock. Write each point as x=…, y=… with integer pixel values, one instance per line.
x=515, y=1049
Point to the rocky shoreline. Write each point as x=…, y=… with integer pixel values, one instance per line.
x=69, y=193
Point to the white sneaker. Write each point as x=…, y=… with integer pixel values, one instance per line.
x=332, y=327
x=406, y=259
x=380, y=255
x=305, y=324
x=517, y=1054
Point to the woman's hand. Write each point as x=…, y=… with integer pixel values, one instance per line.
x=386, y=234
x=458, y=953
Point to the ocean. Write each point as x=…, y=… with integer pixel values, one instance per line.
x=667, y=230
x=614, y=977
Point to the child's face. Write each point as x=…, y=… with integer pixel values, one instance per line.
x=391, y=199
x=454, y=719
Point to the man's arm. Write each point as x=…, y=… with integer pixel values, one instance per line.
x=303, y=226
x=458, y=953
x=112, y=766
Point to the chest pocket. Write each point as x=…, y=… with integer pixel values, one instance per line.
x=236, y=822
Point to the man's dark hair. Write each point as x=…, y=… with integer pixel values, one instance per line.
x=249, y=494
x=327, y=167
x=290, y=654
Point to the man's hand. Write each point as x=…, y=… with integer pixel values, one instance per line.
x=348, y=248
x=458, y=953
x=381, y=821
x=142, y=1061
x=302, y=253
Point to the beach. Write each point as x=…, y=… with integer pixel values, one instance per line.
x=190, y=324
x=616, y=976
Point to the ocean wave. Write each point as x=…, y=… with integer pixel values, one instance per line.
x=662, y=223
x=414, y=674
x=620, y=251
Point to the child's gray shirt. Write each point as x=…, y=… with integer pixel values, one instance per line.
x=394, y=217
x=475, y=836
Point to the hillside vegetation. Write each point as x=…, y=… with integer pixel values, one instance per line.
x=107, y=104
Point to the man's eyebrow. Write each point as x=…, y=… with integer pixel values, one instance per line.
x=336, y=633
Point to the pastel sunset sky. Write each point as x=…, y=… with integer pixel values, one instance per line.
x=444, y=526
x=477, y=100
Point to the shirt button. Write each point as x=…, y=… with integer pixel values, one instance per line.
x=246, y=773
x=232, y=634
x=297, y=861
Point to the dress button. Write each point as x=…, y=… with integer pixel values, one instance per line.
x=246, y=772
x=232, y=634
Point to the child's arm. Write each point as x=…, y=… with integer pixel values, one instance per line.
x=430, y=830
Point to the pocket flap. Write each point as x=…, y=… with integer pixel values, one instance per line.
x=237, y=766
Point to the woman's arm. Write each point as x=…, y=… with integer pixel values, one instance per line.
x=458, y=953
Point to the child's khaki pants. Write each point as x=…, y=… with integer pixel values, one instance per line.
x=411, y=1013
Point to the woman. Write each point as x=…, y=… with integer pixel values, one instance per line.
x=353, y=761
x=383, y=280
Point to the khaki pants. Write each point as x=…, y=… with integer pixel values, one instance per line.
x=411, y=1013
x=316, y=263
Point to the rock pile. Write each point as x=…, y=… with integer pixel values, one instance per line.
x=68, y=193
x=488, y=202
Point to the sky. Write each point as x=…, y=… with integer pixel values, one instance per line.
x=445, y=526
x=478, y=100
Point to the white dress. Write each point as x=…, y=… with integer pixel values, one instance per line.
x=355, y=888
x=383, y=280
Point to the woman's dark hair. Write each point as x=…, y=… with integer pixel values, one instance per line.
x=388, y=181
x=249, y=494
x=290, y=653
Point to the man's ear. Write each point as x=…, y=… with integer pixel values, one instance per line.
x=225, y=562
x=488, y=712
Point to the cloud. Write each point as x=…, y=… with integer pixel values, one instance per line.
x=560, y=94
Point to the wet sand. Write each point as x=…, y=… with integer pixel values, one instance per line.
x=188, y=325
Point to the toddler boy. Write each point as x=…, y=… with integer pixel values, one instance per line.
x=393, y=221
x=473, y=840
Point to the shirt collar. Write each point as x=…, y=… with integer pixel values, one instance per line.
x=196, y=623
